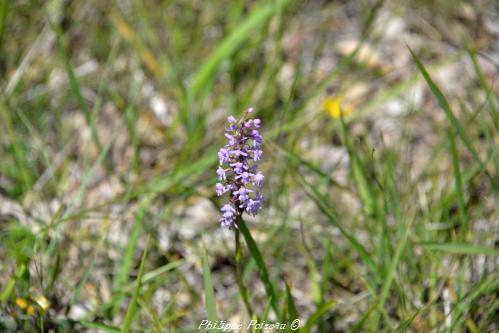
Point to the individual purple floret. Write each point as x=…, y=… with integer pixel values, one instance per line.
x=237, y=172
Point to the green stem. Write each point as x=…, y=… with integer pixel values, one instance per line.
x=262, y=270
x=239, y=275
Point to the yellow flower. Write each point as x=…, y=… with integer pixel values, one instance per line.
x=21, y=303
x=332, y=105
x=42, y=302
x=30, y=310
x=38, y=299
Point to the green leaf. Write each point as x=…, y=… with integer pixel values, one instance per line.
x=460, y=248
x=152, y=275
x=488, y=90
x=132, y=307
x=315, y=286
x=99, y=326
x=444, y=104
x=19, y=152
x=258, y=17
x=321, y=203
x=488, y=286
x=291, y=307
x=458, y=179
x=390, y=274
x=238, y=255
x=362, y=320
x=4, y=8
x=7, y=291
x=327, y=265
x=75, y=86
x=262, y=270
x=324, y=308
x=366, y=194
x=211, y=307
x=295, y=158
x=122, y=277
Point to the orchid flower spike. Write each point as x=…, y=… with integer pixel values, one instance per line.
x=237, y=171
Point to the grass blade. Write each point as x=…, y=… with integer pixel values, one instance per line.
x=18, y=151
x=9, y=287
x=462, y=306
x=122, y=276
x=131, y=36
x=444, y=104
x=296, y=159
x=211, y=307
x=205, y=75
x=75, y=86
x=98, y=326
x=4, y=8
x=458, y=179
x=291, y=307
x=152, y=275
x=390, y=275
x=317, y=315
x=460, y=248
x=366, y=194
x=361, y=250
x=485, y=87
x=132, y=308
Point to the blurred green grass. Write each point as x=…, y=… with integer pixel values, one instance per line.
x=111, y=117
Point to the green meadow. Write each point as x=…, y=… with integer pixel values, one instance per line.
x=380, y=137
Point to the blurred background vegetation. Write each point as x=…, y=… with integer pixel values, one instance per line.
x=380, y=124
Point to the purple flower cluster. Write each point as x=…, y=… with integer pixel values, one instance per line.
x=237, y=172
